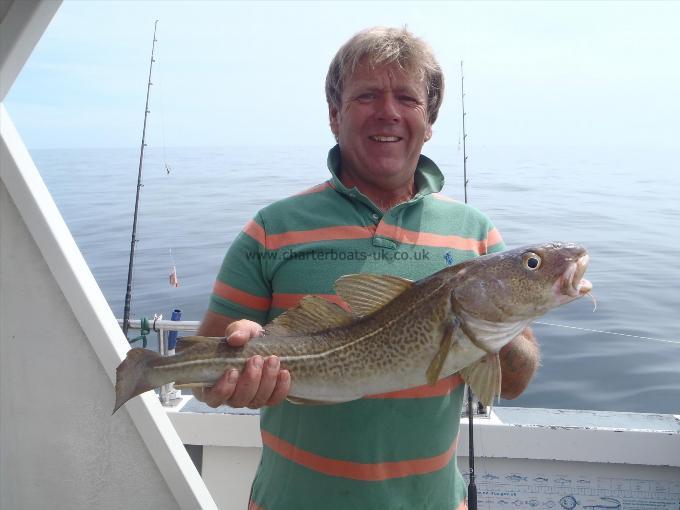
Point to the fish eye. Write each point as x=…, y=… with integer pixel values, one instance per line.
x=531, y=261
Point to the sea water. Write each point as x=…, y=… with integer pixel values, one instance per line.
x=621, y=204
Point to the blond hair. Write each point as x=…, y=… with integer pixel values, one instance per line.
x=387, y=46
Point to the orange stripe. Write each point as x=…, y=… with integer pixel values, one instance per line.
x=358, y=470
x=442, y=388
x=403, y=235
x=444, y=198
x=225, y=291
x=316, y=189
x=286, y=301
x=254, y=230
x=253, y=506
x=493, y=237
x=276, y=241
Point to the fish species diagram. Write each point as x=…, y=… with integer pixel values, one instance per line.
x=550, y=491
x=570, y=502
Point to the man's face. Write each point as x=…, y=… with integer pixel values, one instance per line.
x=381, y=125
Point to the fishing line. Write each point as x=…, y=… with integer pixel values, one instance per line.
x=173, y=277
x=161, y=93
x=664, y=340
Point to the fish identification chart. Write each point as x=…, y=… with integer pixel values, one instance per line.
x=573, y=485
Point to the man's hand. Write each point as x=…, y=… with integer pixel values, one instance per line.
x=519, y=361
x=261, y=383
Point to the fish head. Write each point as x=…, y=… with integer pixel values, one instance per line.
x=521, y=284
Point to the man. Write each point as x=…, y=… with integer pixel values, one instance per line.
x=379, y=213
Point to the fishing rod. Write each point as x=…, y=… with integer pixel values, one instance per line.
x=462, y=102
x=472, y=486
x=133, y=242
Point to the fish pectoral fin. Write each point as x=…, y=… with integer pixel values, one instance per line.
x=437, y=363
x=311, y=314
x=484, y=377
x=366, y=293
x=312, y=402
x=188, y=342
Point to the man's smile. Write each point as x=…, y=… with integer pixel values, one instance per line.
x=384, y=138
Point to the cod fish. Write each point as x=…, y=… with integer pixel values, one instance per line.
x=399, y=334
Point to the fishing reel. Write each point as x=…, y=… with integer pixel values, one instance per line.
x=479, y=410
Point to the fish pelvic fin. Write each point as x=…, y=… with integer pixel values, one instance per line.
x=312, y=402
x=484, y=377
x=132, y=375
x=437, y=363
x=367, y=293
x=312, y=314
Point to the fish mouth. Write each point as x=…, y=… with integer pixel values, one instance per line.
x=573, y=283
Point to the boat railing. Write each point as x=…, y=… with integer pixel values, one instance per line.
x=168, y=394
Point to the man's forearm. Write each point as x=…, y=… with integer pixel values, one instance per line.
x=213, y=324
x=519, y=361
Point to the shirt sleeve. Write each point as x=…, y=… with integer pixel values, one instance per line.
x=242, y=290
x=494, y=240
x=490, y=238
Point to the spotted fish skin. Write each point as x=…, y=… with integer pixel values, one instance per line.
x=399, y=334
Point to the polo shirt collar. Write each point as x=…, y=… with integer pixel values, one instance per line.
x=428, y=178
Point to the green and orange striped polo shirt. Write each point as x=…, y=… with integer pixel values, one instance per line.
x=390, y=451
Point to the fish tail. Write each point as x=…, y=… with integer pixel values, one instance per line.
x=132, y=375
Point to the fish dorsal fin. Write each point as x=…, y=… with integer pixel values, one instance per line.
x=366, y=293
x=311, y=314
x=484, y=377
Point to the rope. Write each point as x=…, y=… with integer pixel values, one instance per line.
x=665, y=340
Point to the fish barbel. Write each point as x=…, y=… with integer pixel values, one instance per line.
x=399, y=334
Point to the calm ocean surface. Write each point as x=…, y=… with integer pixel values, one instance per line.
x=623, y=205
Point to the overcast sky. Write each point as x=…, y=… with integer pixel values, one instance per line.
x=233, y=73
